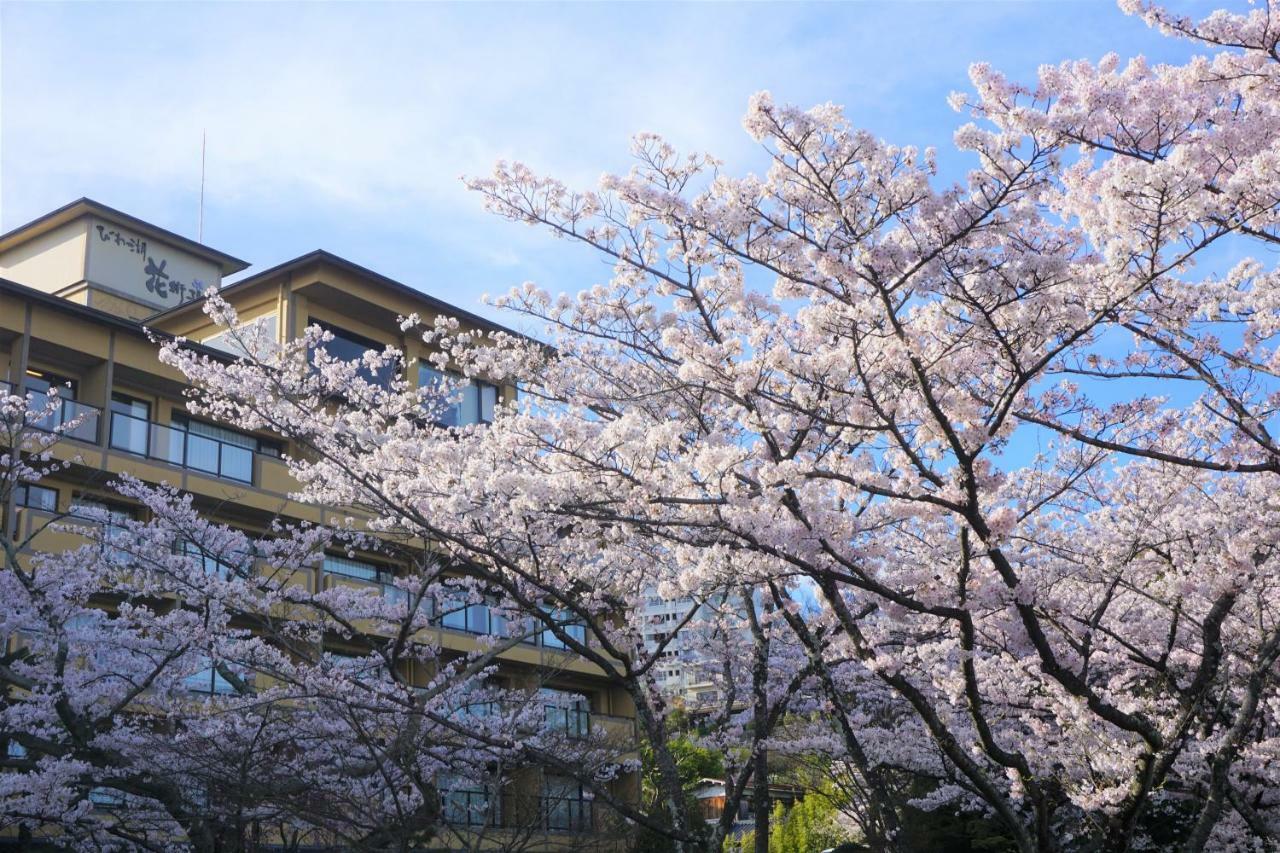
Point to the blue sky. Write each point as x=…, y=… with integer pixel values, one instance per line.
x=347, y=126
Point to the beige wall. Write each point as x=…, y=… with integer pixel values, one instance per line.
x=51, y=261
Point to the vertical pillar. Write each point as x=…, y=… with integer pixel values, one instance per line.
x=109, y=380
x=24, y=354
x=20, y=388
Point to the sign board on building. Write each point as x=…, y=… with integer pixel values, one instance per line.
x=145, y=269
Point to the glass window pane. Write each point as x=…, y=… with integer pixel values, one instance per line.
x=202, y=453
x=168, y=444
x=261, y=328
x=214, y=431
x=470, y=404
x=87, y=428
x=128, y=433
x=127, y=405
x=348, y=346
x=478, y=619
x=455, y=617
x=237, y=463
x=488, y=401
x=430, y=378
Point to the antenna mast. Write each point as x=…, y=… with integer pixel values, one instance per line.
x=200, y=226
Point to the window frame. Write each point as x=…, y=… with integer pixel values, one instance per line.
x=20, y=489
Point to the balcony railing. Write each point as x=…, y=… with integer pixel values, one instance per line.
x=619, y=730
x=469, y=810
x=385, y=588
x=179, y=447
x=481, y=619
x=67, y=411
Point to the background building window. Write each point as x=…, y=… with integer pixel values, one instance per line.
x=130, y=423
x=576, y=630
x=113, y=518
x=209, y=680
x=223, y=568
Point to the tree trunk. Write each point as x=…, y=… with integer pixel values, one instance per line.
x=760, y=798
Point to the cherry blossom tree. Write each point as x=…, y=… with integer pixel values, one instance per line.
x=992, y=462
x=1013, y=436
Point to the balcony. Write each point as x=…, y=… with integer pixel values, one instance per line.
x=68, y=411
x=185, y=449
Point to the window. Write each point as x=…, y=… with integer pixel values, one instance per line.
x=106, y=799
x=217, y=450
x=478, y=401
x=226, y=435
x=262, y=328
x=491, y=708
x=384, y=576
x=130, y=423
x=197, y=445
x=565, y=804
x=576, y=630
x=474, y=618
x=239, y=563
x=356, y=569
x=40, y=381
x=359, y=667
x=566, y=712
x=38, y=385
x=114, y=526
x=348, y=346
x=36, y=497
x=209, y=680
x=467, y=803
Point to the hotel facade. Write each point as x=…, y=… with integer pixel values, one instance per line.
x=80, y=287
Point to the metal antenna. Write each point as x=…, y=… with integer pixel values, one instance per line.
x=200, y=227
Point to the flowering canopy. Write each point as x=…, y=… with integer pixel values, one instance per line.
x=1019, y=444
